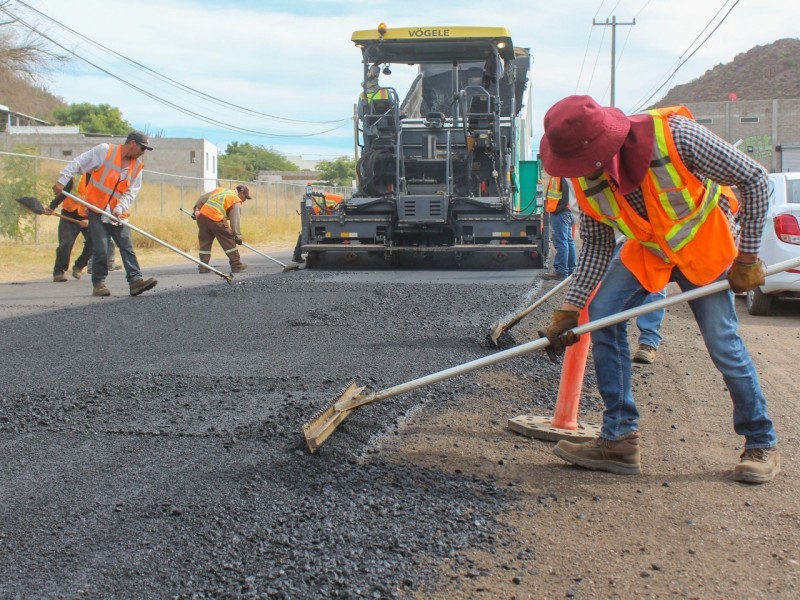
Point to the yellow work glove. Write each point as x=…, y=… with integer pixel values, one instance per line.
x=744, y=277
x=558, y=332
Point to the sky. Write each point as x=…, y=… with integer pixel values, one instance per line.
x=293, y=75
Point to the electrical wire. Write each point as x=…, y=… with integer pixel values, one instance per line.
x=644, y=101
x=171, y=81
x=158, y=99
x=586, y=50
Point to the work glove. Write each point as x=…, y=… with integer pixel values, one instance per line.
x=744, y=277
x=559, y=334
x=238, y=240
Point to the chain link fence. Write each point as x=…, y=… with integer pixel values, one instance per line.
x=162, y=194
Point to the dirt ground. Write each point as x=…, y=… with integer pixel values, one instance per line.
x=683, y=528
x=171, y=465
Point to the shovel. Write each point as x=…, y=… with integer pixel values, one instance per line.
x=321, y=426
x=227, y=278
x=33, y=205
x=497, y=329
x=249, y=247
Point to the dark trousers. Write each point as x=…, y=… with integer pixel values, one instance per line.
x=101, y=233
x=208, y=231
x=68, y=232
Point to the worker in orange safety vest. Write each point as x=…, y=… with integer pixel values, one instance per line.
x=660, y=179
x=115, y=177
x=68, y=231
x=213, y=211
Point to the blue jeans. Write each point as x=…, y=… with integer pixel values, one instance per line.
x=649, y=324
x=716, y=317
x=563, y=244
x=103, y=232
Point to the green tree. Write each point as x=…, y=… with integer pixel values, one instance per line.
x=341, y=171
x=244, y=161
x=18, y=179
x=93, y=118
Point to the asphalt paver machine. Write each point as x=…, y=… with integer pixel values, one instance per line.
x=444, y=175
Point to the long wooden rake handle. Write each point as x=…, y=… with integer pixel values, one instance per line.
x=94, y=208
x=70, y=219
x=496, y=330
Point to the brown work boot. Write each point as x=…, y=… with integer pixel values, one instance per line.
x=59, y=277
x=238, y=268
x=758, y=465
x=100, y=289
x=203, y=269
x=76, y=272
x=554, y=276
x=621, y=456
x=645, y=355
x=142, y=285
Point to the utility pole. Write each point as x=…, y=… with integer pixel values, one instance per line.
x=613, y=25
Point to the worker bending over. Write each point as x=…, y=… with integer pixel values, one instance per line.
x=659, y=178
x=213, y=211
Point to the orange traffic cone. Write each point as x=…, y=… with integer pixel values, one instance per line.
x=564, y=423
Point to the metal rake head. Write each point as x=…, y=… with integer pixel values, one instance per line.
x=319, y=428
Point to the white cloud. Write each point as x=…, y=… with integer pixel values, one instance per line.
x=298, y=62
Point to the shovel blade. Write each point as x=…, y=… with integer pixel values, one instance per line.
x=320, y=428
x=495, y=331
x=32, y=204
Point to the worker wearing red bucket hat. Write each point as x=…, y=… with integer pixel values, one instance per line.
x=660, y=179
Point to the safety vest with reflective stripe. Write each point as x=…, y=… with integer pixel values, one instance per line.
x=106, y=184
x=380, y=94
x=219, y=203
x=685, y=227
x=72, y=205
x=554, y=195
x=325, y=202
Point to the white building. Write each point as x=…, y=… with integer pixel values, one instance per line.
x=181, y=157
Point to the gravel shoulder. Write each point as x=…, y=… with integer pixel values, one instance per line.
x=683, y=528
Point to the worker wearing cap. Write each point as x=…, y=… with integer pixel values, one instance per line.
x=115, y=177
x=213, y=211
x=658, y=179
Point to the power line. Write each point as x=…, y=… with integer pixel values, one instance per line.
x=643, y=102
x=163, y=101
x=586, y=50
x=171, y=81
x=614, y=24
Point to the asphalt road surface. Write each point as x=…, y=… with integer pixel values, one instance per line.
x=151, y=445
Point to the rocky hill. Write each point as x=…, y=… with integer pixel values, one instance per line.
x=762, y=73
x=27, y=98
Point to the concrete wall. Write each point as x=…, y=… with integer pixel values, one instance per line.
x=762, y=125
x=178, y=157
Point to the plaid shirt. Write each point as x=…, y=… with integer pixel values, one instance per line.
x=708, y=157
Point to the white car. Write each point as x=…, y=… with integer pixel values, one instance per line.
x=780, y=242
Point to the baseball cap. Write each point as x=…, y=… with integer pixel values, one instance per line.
x=140, y=138
x=244, y=189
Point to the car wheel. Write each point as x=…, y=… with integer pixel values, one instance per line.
x=759, y=303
